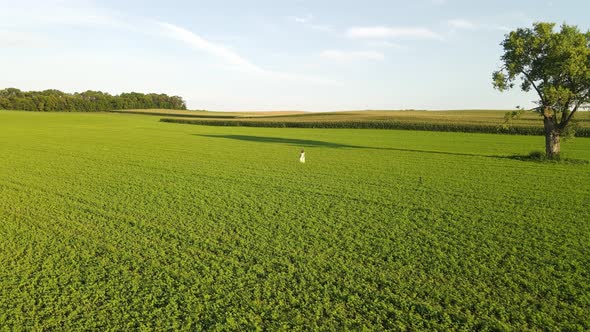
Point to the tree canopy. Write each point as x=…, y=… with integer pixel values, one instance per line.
x=87, y=101
x=556, y=65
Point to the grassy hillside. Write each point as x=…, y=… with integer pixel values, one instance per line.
x=113, y=221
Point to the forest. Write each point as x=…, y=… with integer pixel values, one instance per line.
x=87, y=101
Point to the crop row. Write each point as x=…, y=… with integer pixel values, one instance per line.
x=427, y=126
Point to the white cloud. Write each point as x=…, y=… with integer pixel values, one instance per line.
x=383, y=32
x=230, y=57
x=385, y=44
x=21, y=26
x=65, y=12
x=22, y=39
x=302, y=19
x=338, y=55
x=461, y=24
x=320, y=27
x=25, y=23
x=308, y=21
x=200, y=43
x=501, y=28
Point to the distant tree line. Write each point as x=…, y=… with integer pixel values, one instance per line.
x=88, y=101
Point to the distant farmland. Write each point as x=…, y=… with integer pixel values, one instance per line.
x=461, y=121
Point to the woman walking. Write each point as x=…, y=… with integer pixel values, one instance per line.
x=302, y=156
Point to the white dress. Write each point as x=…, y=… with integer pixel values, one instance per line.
x=302, y=158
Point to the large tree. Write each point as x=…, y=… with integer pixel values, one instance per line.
x=556, y=65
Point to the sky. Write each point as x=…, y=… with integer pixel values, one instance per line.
x=316, y=55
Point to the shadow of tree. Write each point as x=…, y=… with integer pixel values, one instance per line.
x=314, y=143
x=539, y=157
x=288, y=141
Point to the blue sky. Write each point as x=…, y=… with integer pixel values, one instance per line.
x=271, y=55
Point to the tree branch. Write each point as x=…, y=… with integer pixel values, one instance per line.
x=571, y=115
x=534, y=86
x=554, y=118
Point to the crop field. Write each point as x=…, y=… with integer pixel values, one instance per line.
x=119, y=221
x=466, y=117
x=482, y=121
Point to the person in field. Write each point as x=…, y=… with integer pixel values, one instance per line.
x=302, y=156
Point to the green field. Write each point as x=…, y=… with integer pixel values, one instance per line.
x=119, y=221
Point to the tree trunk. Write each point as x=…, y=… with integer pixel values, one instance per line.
x=552, y=146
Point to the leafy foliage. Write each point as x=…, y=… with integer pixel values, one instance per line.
x=120, y=222
x=88, y=101
x=556, y=65
x=509, y=118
